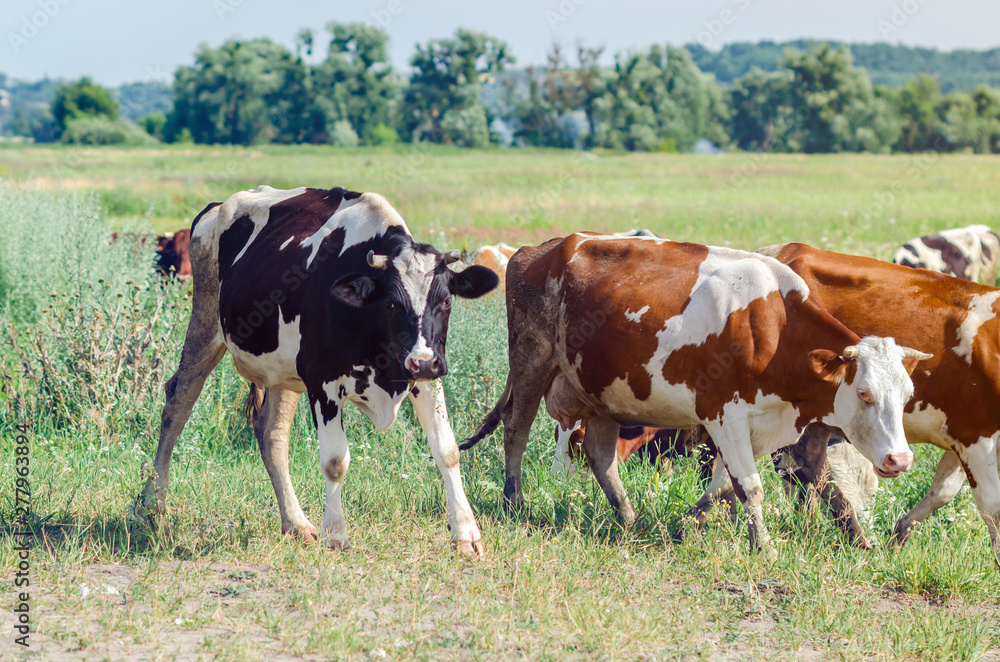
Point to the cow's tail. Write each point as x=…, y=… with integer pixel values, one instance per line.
x=254, y=403
x=491, y=421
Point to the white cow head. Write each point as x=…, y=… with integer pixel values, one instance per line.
x=874, y=386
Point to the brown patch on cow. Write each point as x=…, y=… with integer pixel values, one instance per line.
x=596, y=275
x=968, y=473
x=335, y=470
x=920, y=309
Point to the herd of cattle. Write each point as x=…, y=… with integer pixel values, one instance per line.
x=633, y=341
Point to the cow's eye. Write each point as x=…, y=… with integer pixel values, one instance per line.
x=446, y=304
x=865, y=395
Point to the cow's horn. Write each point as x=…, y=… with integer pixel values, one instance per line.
x=851, y=352
x=452, y=256
x=377, y=261
x=910, y=353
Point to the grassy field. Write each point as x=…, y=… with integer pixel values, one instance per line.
x=563, y=581
x=456, y=197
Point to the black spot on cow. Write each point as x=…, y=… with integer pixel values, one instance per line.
x=342, y=392
x=232, y=241
x=987, y=253
x=361, y=382
x=415, y=391
x=956, y=262
x=327, y=407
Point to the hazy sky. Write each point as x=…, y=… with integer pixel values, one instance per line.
x=117, y=41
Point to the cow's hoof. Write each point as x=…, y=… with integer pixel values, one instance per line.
x=900, y=534
x=306, y=533
x=473, y=549
x=339, y=545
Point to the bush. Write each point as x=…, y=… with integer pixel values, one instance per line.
x=466, y=126
x=91, y=329
x=342, y=135
x=384, y=135
x=103, y=131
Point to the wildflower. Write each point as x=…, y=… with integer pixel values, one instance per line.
x=84, y=590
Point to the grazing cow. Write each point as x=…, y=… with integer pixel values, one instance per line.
x=173, y=254
x=652, y=442
x=969, y=253
x=494, y=258
x=321, y=291
x=645, y=331
x=956, y=403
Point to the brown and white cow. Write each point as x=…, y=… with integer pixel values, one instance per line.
x=323, y=292
x=970, y=253
x=654, y=443
x=173, y=254
x=644, y=331
x=956, y=403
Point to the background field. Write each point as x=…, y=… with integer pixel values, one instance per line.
x=563, y=582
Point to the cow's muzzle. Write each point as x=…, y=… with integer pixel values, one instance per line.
x=432, y=368
x=895, y=464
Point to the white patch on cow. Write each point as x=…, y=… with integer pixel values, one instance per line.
x=362, y=218
x=256, y=205
x=416, y=273
x=980, y=312
x=927, y=424
x=728, y=280
x=286, y=242
x=380, y=407
x=275, y=368
x=562, y=464
x=637, y=315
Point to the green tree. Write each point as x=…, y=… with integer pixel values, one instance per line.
x=917, y=104
x=447, y=79
x=760, y=111
x=243, y=92
x=355, y=83
x=81, y=99
x=659, y=99
x=826, y=97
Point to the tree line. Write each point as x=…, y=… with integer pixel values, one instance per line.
x=339, y=88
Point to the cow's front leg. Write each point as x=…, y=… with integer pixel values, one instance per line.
x=428, y=402
x=736, y=453
x=334, y=458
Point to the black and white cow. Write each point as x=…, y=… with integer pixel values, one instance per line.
x=969, y=253
x=323, y=292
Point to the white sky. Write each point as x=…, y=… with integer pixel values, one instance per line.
x=117, y=41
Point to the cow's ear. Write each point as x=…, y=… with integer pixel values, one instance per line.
x=829, y=365
x=354, y=289
x=473, y=282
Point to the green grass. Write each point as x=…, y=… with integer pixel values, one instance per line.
x=560, y=582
